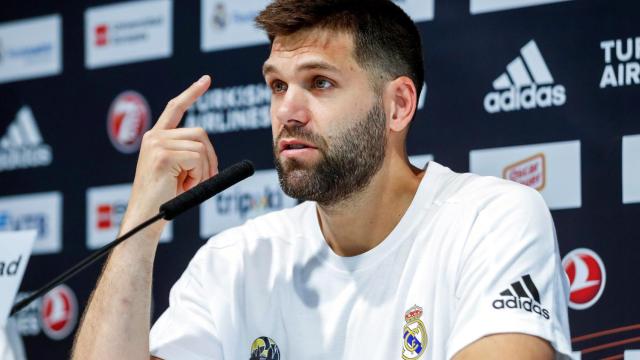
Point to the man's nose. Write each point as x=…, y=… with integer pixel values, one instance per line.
x=293, y=109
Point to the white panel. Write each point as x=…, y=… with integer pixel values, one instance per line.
x=631, y=169
x=254, y=196
x=483, y=6
x=419, y=10
x=230, y=24
x=632, y=355
x=128, y=32
x=42, y=212
x=30, y=48
x=562, y=173
x=106, y=206
x=420, y=161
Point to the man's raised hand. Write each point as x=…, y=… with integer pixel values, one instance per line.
x=171, y=160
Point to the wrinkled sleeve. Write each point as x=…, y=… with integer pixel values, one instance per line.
x=510, y=279
x=186, y=330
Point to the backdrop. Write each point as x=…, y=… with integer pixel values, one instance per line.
x=543, y=92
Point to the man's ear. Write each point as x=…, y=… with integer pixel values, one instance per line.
x=400, y=102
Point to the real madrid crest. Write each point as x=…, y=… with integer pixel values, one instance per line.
x=264, y=348
x=414, y=334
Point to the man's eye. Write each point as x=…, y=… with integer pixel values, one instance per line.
x=278, y=86
x=322, y=83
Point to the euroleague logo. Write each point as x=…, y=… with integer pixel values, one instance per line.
x=59, y=312
x=587, y=277
x=129, y=117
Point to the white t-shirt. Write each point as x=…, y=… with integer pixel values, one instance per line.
x=472, y=256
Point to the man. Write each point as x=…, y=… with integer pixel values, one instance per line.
x=383, y=260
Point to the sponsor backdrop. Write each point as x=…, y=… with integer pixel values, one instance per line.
x=542, y=92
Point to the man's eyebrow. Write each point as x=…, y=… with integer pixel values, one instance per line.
x=311, y=65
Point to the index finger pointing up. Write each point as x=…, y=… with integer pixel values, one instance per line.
x=173, y=112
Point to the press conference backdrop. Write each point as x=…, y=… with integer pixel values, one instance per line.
x=542, y=92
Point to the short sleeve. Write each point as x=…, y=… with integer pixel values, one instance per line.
x=186, y=330
x=510, y=279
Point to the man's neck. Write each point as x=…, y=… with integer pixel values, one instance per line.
x=361, y=222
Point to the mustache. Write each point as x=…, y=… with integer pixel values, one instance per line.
x=301, y=134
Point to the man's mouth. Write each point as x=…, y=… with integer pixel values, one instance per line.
x=294, y=144
x=297, y=149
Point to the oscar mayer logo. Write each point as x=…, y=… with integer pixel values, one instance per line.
x=530, y=172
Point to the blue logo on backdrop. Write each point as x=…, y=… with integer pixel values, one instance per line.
x=32, y=53
x=245, y=202
x=24, y=222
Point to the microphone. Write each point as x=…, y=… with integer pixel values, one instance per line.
x=169, y=210
x=229, y=176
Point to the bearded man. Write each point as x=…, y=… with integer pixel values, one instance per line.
x=382, y=260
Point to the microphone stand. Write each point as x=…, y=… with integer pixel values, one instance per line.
x=82, y=264
x=169, y=210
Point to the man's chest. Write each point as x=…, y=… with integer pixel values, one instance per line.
x=391, y=313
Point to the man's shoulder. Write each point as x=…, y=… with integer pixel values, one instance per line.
x=468, y=189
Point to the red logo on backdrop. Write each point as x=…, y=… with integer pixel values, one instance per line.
x=59, y=312
x=587, y=277
x=101, y=35
x=128, y=119
x=530, y=172
x=110, y=215
x=104, y=217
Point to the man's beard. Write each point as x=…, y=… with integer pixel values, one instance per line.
x=347, y=165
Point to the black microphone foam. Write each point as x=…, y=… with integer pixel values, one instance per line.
x=208, y=188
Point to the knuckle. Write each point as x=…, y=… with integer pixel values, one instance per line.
x=201, y=132
x=149, y=139
x=174, y=104
x=162, y=159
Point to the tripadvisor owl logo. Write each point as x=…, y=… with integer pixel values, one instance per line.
x=264, y=348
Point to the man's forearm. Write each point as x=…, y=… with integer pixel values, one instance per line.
x=172, y=160
x=116, y=322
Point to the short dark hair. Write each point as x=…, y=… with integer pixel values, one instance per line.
x=386, y=41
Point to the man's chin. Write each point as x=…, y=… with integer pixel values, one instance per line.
x=289, y=165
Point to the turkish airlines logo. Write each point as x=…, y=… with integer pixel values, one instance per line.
x=622, y=62
x=59, y=312
x=530, y=172
x=128, y=119
x=587, y=277
x=527, y=84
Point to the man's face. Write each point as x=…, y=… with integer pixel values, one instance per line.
x=329, y=127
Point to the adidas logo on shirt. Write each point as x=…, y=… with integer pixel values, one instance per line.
x=522, y=294
x=527, y=84
x=22, y=146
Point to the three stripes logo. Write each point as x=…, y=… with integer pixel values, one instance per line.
x=527, y=84
x=522, y=294
x=22, y=146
